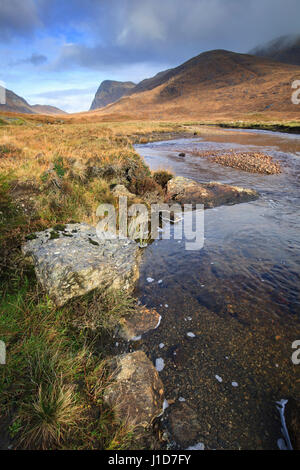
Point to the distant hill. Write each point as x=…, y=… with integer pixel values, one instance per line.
x=284, y=49
x=110, y=91
x=47, y=109
x=215, y=83
x=17, y=104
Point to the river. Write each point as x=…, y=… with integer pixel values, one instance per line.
x=239, y=296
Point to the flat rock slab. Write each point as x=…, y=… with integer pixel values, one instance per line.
x=71, y=261
x=136, y=393
x=143, y=320
x=188, y=191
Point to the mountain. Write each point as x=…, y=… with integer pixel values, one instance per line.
x=47, y=109
x=110, y=91
x=283, y=49
x=16, y=104
x=215, y=83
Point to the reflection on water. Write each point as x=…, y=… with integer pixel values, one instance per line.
x=239, y=295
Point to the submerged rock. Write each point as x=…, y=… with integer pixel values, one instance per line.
x=183, y=424
x=143, y=320
x=71, y=261
x=136, y=393
x=188, y=191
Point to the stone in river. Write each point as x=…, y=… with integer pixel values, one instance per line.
x=136, y=393
x=71, y=261
x=144, y=319
x=183, y=424
x=187, y=191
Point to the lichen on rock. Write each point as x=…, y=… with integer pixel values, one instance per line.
x=75, y=261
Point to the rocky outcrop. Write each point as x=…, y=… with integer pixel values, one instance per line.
x=110, y=91
x=71, y=261
x=188, y=191
x=136, y=393
x=143, y=320
x=121, y=191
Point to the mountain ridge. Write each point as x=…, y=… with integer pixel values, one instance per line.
x=216, y=81
x=17, y=104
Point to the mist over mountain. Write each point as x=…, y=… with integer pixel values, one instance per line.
x=284, y=49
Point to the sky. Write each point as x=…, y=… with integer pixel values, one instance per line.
x=57, y=52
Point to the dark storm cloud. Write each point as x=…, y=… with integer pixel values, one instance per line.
x=98, y=34
x=34, y=59
x=18, y=18
x=132, y=31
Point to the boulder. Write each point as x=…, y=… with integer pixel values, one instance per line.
x=121, y=190
x=71, y=261
x=188, y=191
x=143, y=320
x=136, y=393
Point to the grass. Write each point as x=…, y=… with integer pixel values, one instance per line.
x=52, y=386
x=54, y=379
x=52, y=172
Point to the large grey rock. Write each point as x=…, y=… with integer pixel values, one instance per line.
x=188, y=191
x=71, y=261
x=136, y=393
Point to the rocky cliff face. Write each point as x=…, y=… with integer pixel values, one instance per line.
x=110, y=91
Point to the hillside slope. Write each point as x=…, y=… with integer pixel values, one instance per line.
x=283, y=49
x=214, y=83
x=110, y=91
x=17, y=104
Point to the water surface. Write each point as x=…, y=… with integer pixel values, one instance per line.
x=239, y=295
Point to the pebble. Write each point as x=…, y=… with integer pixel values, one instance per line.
x=159, y=364
x=191, y=335
x=198, y=446
x=219, y=379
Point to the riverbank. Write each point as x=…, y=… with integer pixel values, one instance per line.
x=54, y=173
x=56, y=374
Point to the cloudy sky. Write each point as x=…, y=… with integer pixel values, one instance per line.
x=58, y=51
